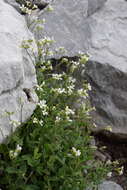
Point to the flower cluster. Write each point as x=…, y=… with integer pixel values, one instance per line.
x=57, y=76
x=42, y=104
x=76, y=152
x=28, y=7
x=36, y=121
x=59, y=90
x=14, y=153
x=71, y=85
x=69, y=111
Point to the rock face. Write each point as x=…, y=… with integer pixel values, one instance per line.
x=14, y=4
x=67, y=25
x=106, y=185
x=94, y=6
x=16, y=71
x=107, y=70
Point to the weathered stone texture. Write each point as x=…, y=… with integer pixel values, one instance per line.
x=106, y=185
x=67, y=25
x=16, y=70
x=107, y=70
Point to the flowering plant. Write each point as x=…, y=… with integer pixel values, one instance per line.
x=52, y=150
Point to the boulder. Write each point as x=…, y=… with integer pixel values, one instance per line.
x=94, y=6
x=67, y=24
x=107, y=68
x=14, y=4
x=17, y=72
x=109, y=185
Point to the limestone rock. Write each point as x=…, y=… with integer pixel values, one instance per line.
x=107, y=70
x=106, y=185
x=94, y=6
x=16, y=71
x=14, y=4
x=67, y=24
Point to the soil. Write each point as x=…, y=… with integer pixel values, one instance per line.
x=116, y=150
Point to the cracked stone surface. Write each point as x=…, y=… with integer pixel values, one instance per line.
x=16, y=70
x=94, y=6
x=107, y=70
x=67, y=24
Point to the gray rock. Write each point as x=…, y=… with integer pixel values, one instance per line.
x=16, y=71
x=68, y=26
x=109, y=185
x=14, y=4
x=94, y=6
x=107, y=70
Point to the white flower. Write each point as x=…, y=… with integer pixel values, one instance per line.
x=14, y=153
x=28, y=3
x=57, y=76
x=109, y=174
x=43, y=68
x=71, y=80
x=75, y=63
x=35, y=120
x=34, y=6
x=44, y=112
x=108, y=162
x=121, y=170
x=68, y=119
x=57, y=119
x=76, y=152
x=59, y=90
x=11, y=153
x=89, y=87
x=42, y=104
x=108, y=128
x=69, y=111
x=18, y=148
x=70, y=89
x=82, y=92
x=25, y=9
x=41, y=122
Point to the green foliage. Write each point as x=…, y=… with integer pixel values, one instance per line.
x=52, y=150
